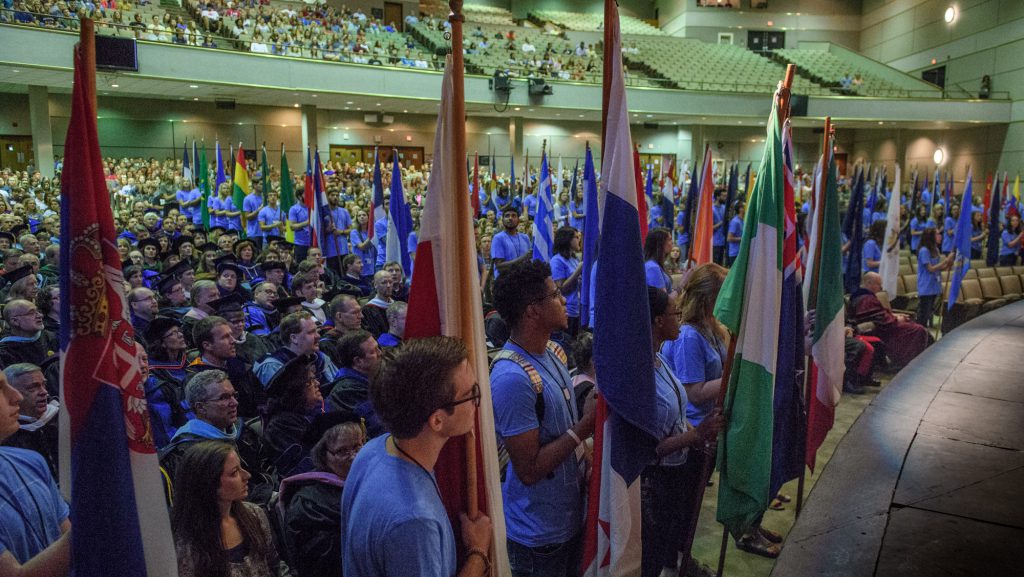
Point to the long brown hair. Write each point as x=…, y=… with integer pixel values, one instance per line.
x=195, y=517
x=698, y=300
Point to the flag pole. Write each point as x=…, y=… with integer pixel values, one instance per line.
x=462, y=218
x=819, y=218
x=783, y=113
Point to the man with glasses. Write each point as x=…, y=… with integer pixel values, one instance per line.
x=425, y=395
x=144, y=307
x=37, y=414
x=26, y=341
x=536, y=418
x=214, y=401
x=261, y=316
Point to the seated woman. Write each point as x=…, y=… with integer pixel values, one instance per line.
x=216, y=532
x=310, y=503
x=294, y=400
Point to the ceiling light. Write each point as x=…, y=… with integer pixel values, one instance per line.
x=406, y=111
x=880, y=123
x=517, y=109
x=378, y=104
x=581, y=116
x=193, y=86
x=939, y=156
x=950, y=15
x=115, y=85
x=315, y=95
x=296, y=105
x=349, y=102
x=15, y=71
x=194, y=98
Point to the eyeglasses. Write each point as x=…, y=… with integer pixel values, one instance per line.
x=34, y=312
x=173, y=332
x=347, y=450
x=555, y=294
x=223, y=398
x=474, y=395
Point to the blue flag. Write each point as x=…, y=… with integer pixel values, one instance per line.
x=221, y=176
x=962, y=244
x=853, y=228
x=195, y=164
x=591, y=234
x=186, y=165
x=399, y=221
x=323, y=225
x=378, y=212
x=512, y=178
x=543, y=225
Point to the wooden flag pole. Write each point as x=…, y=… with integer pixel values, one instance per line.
x=463, y=219
x=782, y=113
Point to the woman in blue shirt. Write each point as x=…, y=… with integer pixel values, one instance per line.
x=565, y=271
x=667, y=486
x=978, y=233
x=656, y=249
x=871, y=254
x=1011, y=242
x=362, y=244
x=917, y=226
x=950, y=229
x=735, y=233
x=929, y=287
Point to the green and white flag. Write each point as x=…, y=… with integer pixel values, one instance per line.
x=748, y=305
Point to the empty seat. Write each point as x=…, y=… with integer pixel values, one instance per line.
x=1004, y=270
x=978, y=263
x=970, y=290
x=971, y=273
x=991, y=289
x=986, y=273
x=1018, y=270
x=1011, y=287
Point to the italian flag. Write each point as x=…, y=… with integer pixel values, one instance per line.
x=748, y=305
x=824, y=295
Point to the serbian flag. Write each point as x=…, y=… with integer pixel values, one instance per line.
x=109, y=462
x=823, y=294
x=320, y=212
x=625, y=430
x=703, y=224
x=444, y=299
x=399, y=221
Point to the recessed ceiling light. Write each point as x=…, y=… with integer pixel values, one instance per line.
x=195, y=98
x=650, y=116
x=530, y=110
x=880, y=123
x=950, y=15
x=405, y=111
x=284, y=126
x=347, y=107
x=517, y=109
x=378, y=104
x=193, y=86
x=315, y=95
x=296, y=105
x=581, y=116
x=349, y=102
x=15, y=71
x=115, y=85
x=391, y=130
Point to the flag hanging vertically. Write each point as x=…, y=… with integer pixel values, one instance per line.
x=962, y=244
x=474, y=193
x=748, y=305
x=240, y=188
x=320, y=213
x=512, y=177
x=378, y=212
x=641, y=200
x=889, y=267
x=591, y=234
x=444, y=299
x=264, y=173
x=287, y=190
x=625, y=429
x=992, y=245
x=703, y=222
x=823, y=294
x=853, y=228
x=222, y=176
x=186, y=165
x=195, y=163
x=789, y=423
x=543, y=225
x=399, y=221
x=109, y=462
x=204, y=188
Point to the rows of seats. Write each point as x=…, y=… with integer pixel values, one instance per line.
x=474, y=13
x=695, y=65
x=829, y=68
x=595, y=21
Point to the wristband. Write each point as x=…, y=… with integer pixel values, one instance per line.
x=574, y=436
x=483, y=557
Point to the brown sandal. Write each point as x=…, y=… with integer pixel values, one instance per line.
x=758, y=545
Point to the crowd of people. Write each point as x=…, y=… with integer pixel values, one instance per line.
x=283, y=394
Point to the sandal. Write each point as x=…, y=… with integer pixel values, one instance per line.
x=777, y=505
x=770, y=535
x=784, y=497
x=758, y=545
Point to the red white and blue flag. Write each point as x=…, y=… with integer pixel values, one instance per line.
x=378, y=212
x=625, y=438
x=320, y=211
x=109, y=461
x=399, y=221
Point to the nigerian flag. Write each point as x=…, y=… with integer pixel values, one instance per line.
x=287, y=196
x=240, y=187
x=749, y=305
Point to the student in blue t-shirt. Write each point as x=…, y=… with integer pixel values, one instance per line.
x=718, y=230
x=735, y=233
x=298, y=220
x=509, y=246
x=871, y=254
x=929, y=267
x=948, y=238
x=566, y=270
x=426, y=394
x=917, y=226
x=1011, y=237
x=544, y=483
x=657, y=245
x=34, y=519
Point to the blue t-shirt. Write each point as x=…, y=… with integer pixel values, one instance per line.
x=1005, y=248
x=357, y=237
x=403, y=531
x=197, y=210
x=380, y=229
x=17, y=509
x=976, y=244
x=551, y=510
x=671, y=415
x=231, y=222
x=736, y=230
x=916, y=226
x=531, y=205
x=656, y=216
x=298, y=213
x=694, y=360
x=947, y=237
x=252, y=202
x=561, y=269
x=574, y=209
x=337, y=245
x=184, y=196
x=717, y=216
x=508, y=247
x=269, y=215
x=927, y=282
x=870, y=251
x=656, y=276
x=216, y=219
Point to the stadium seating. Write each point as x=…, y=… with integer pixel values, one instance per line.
x=594, y=21
x=828, y=68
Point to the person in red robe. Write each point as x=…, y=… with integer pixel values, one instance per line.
x=903, y=338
